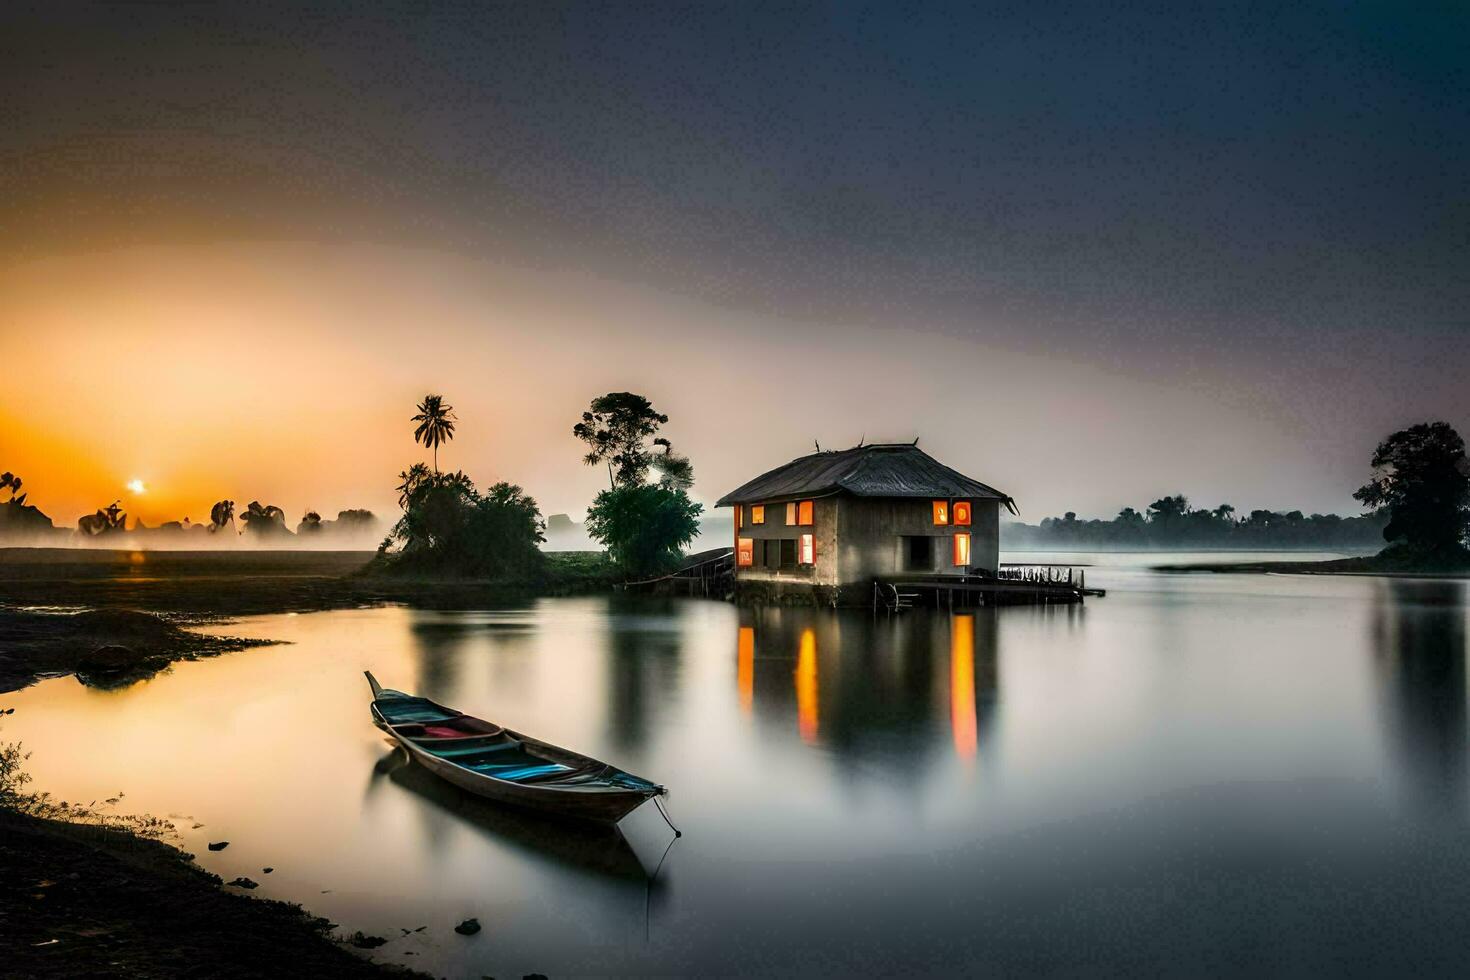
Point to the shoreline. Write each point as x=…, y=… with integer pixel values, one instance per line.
x=114, y=617
x=79, y=900
x=1371, y=566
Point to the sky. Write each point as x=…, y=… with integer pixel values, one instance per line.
x=1089, y=256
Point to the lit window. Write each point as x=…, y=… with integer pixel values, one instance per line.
x=804, y=513
x=962, y=550
x=808, y=549
x=961, y=513
x=757, y=513
x=941, y=512
x=745, y=552
x=739, y=516
x=791, y=514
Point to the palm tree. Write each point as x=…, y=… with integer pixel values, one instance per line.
x=436, y=425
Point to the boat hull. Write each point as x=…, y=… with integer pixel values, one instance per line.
x=597, y=804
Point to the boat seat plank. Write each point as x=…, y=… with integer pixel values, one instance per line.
x=420, y=713
x=459, y=748
x=517, y=773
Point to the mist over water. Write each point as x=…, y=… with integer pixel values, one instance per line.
x=1268, y=772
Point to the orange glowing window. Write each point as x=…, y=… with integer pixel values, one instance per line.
x=962, y=549
x=804, y=513
x=941, y=512
x=961, y=513
x=791, y=514
x=739, y=517
x=745, y=552
x=757, y=513
x=808, y=549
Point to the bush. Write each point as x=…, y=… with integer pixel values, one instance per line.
x=644, y=528
x=450, y=528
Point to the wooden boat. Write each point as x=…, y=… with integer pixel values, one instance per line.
x=483, y=758
x=597, y=849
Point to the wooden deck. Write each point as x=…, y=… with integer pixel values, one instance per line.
x=1015, y=585
x=710, y=574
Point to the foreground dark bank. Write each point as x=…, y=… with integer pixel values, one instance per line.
x=78, y=901
x=139, y=604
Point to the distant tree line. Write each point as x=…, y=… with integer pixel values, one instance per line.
x=262, y=523
x=1171, y=523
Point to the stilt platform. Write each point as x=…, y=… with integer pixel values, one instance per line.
x=1034, y=585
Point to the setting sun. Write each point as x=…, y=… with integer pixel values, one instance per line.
x=136, y=486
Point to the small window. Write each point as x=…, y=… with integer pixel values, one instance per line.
x=804, y=513
x=808, y=549
x=739, y=516
x=791, y=514
x=757, y=513
x=961, y=513
x=962, y=550
x=745, y=552
x=941, y=512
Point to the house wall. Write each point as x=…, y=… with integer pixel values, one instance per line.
x=860, y=538
x=872, y=532
x=824, y=531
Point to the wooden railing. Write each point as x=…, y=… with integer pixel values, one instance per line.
x=1043, y=574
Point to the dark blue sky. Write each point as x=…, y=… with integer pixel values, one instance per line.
x=1269, y=199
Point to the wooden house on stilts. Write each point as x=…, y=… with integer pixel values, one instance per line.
x=834, y=524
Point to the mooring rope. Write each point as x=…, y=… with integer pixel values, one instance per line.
x=658, y=802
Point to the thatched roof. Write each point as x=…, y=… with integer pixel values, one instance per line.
x=881, y=470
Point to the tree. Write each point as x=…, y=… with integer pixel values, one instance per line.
x=450, y=528
x=222, y=513
x=1421, y=480
x=436, y=424
x=412, y=480
x=9, y=481
x=616, y=428
x=265, y=521
x=675, y=471
x=107, y=519
x=1166, y=509
x=644, y=528
x=311, y=523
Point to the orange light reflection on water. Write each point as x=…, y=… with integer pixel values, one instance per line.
x=962, y=686
x=806, y=686
x=745, y=668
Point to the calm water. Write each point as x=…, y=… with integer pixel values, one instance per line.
x=1197, y=774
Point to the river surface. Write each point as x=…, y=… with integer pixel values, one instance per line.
x=1197, y=774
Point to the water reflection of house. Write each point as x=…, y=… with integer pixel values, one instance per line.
x=833, y=522
x=871, y=691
